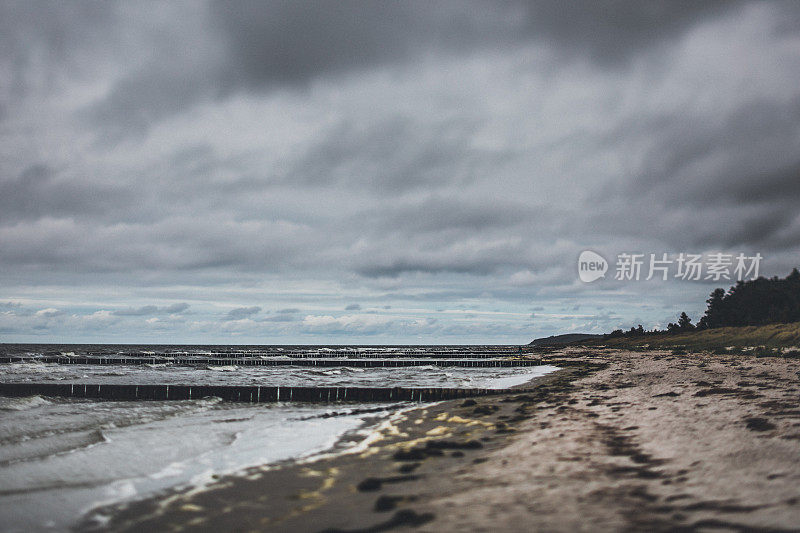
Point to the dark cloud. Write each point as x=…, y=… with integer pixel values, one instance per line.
x=758, y=140
x=435, y=214
x=146, y=97
x=39, y=191
x=242, y=312
x=727, y=181
x=352, y=307
x=166, y=244
x=258, y=46
x=40, y=42
x=611, y=31
x=176, y=308
x=290, y=41
x=149, y=310
x=371, y=157
x=433, y=265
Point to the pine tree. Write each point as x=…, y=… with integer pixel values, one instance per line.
x=754, y=303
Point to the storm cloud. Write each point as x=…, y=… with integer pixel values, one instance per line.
x=442, y=164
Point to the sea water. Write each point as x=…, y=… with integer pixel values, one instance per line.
x=281, y=376
x=60, y=458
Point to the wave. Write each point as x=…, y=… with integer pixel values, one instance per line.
x=23, y=404
x=352, y=411
x=331, y=371
x=44, y=448
x=34, y=366
x=17, y=428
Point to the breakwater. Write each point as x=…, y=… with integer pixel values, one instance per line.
x=236, y=393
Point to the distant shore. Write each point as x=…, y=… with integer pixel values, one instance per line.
x=617, y=440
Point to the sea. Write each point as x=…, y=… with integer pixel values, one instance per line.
x=61, y=458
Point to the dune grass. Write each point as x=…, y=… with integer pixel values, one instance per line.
x=769, y=340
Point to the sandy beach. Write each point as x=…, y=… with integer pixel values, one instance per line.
x=616, y=441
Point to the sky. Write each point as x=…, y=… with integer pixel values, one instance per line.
x=368, y=172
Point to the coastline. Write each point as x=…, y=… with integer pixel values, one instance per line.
x=615, y=440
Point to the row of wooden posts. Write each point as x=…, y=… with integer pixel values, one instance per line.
x=235, y=393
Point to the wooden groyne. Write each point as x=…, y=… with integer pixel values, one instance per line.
x=251, y=394
x=331, y=353
x=237, y=352
x=252, y=361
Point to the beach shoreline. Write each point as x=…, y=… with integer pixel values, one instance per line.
x=616, y=440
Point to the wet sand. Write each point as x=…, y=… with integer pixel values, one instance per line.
x=616, y=441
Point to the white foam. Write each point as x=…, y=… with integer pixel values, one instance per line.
x=524, y=376
x=144, y=448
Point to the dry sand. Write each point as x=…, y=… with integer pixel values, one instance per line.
x=617, y=441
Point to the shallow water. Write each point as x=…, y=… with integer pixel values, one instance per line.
x=59, y=458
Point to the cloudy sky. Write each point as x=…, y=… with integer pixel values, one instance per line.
x=384, y=172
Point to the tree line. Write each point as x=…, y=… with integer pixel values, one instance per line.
x=748, y=303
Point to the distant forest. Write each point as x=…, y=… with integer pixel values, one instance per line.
x=748, y=303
